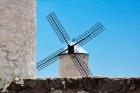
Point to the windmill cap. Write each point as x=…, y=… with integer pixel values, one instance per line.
x=78, y=49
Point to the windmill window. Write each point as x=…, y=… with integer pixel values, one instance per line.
x=83, y=56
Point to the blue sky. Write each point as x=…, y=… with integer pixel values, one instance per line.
x=114, y=53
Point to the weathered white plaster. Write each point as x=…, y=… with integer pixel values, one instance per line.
x=67, y=67
x=17, y=39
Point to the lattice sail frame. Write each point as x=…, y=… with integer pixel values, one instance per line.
x=50, y=59
x=90, y=34
x=80, y=64
x=58, y=28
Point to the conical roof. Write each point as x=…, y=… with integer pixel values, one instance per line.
x=78, y=49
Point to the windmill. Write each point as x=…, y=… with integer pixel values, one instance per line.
x=71, y=49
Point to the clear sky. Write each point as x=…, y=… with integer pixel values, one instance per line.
x=114, y=53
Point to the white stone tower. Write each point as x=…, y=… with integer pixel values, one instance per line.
x=67, y=66
x=17, y=40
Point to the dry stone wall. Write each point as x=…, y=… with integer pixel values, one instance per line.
x=77, y=85
x=17, y=39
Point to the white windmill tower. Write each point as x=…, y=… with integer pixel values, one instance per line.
x=73, y=59
x=68, y=66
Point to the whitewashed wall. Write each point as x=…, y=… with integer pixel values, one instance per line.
x=17, y=39
x=67, y=67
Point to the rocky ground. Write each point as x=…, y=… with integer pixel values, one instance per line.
x=76, y=85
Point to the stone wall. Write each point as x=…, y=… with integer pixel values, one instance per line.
x=17, y=39
x=79, y=85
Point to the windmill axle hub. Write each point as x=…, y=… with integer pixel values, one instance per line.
x=70, y=49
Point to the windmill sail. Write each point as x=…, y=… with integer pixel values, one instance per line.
x=81, y=65
x=58, y=28
x=85, y=66
x=90, y=34
x=49, y=60
x=77, y=65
